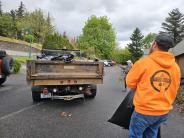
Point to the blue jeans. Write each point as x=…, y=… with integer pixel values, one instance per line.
x=146, y=124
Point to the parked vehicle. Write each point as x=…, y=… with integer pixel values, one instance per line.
x=107, y=63
x=113, y=62
x=61, y=77
x=6, y=66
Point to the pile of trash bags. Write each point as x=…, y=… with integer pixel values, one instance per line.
x=67, y=58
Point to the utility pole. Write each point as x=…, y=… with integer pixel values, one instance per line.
x=30, y=41
x=30, y=48
x=28, y=32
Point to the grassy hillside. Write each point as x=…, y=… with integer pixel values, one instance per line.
x=6, y=39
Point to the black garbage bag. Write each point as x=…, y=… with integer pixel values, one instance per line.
x=122, y=115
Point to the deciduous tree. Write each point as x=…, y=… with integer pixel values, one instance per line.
x=98, y=34
x=121, y=55
x=56, y=41
x=148, y=39
x=6, y=25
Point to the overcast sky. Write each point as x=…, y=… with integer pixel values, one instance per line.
x=125, y=15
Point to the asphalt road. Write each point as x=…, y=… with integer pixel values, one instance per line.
x=21, y=118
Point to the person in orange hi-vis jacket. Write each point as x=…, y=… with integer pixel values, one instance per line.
x=156, y=80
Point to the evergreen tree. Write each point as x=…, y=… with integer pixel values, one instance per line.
x=1, y=11
x=49, y=27
x=135, y=47
x=21, y=10
x=174, y=24
x=64, y=34
x=14, y=27
x=48, y=19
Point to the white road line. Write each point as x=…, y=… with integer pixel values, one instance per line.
x=17, y=112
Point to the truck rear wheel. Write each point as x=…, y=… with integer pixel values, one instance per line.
x=36, y=96
x=2, y=80
x=36, y=93
x=93, y=91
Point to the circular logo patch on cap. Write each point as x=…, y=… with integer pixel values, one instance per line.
x=160, y=80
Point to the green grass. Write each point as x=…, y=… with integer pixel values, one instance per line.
x=23, y=59
x=6, y=39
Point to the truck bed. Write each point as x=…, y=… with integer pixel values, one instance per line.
x=41, y=72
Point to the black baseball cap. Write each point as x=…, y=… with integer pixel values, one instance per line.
x=164, y=40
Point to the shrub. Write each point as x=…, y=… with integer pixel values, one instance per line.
x=180, y=97
x=180, y=100
x=17, y=66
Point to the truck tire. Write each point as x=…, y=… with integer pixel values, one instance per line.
x=7, y=66
x=36, y=90
x=36, y=96
x=2, y=53
x=2, y=80
x=93, y=91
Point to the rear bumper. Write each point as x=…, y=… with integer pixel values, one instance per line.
x=68, y=97
x=65, y=97
x=68, y=93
